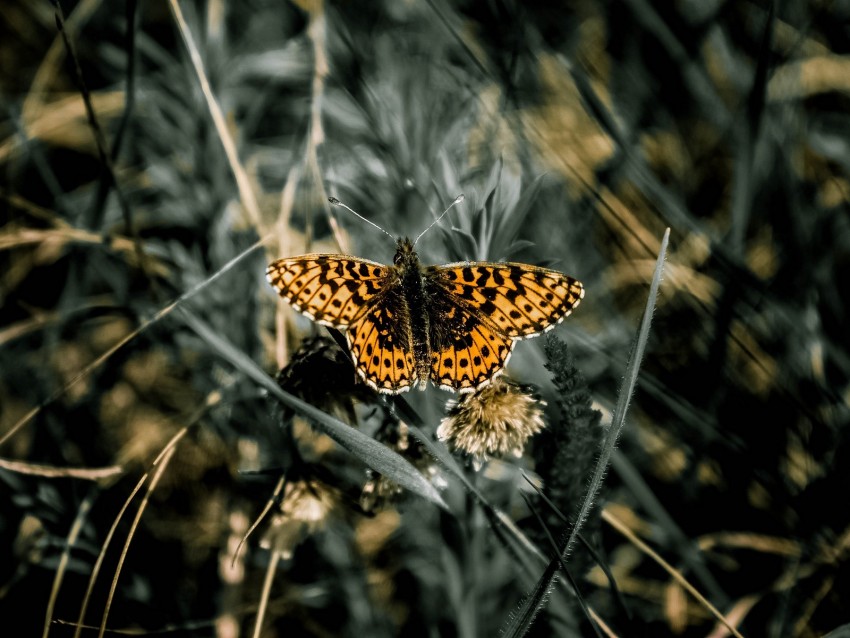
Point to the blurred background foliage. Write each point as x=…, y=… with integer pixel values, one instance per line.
x=578, y=132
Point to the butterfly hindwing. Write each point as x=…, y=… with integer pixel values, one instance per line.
x=330, y=289
x=468, y=364
x=518, y=300
x=381, y=349
x=466, y=352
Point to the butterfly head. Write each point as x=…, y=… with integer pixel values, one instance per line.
x=404, y=254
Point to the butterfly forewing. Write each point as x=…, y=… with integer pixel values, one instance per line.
x=330, y=289
x=516, y=300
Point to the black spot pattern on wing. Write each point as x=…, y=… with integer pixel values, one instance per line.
x=466, y=352
x=380, y=343
x=456, y=324
x=331, y=289
x=517, y=300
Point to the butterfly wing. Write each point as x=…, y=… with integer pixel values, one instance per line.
x=515, y=300
x=360, y=295
x=478, y=310
x=380, y=343
x=334, y=290
x=466, y=353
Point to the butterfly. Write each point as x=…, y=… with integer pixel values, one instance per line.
x=455, y=325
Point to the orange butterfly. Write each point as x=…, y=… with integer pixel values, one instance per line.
x=405, y=324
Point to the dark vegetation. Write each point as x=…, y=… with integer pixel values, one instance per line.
x=578, y=132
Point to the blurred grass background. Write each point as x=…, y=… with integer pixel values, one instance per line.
x=133, y=173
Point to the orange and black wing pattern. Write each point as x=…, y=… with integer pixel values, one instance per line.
x=475, y=312
x=380, y=343
x=466, y=353
x=478, y=310
x=517, y=300
x=361, y=297
x=333, y=290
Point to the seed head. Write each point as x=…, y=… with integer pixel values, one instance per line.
x=303, y=511
x=492, y=422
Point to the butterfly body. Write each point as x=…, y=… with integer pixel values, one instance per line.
x=414, y=297
x=406, y=324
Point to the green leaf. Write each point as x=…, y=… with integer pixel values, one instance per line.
x=521, y=620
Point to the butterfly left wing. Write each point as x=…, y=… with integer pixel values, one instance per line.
x=334, y=290
x=515, y=300
x=380, y=346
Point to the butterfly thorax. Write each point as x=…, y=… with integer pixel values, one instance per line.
x=406, y=263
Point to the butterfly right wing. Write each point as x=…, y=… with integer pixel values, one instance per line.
x=466, y=352
x=478, y=310
x=334, y=290
x=517, y=300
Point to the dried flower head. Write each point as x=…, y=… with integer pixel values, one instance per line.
x=492, y=422
x=321, y=373
x=378, y=492
x=303, y=511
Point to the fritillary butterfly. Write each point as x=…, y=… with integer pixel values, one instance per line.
x=455, y=325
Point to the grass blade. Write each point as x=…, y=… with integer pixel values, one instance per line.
x=377, y=456
x=521, y=621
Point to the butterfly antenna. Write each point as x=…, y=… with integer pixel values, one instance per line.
x=457, y=200
x=336, y=202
